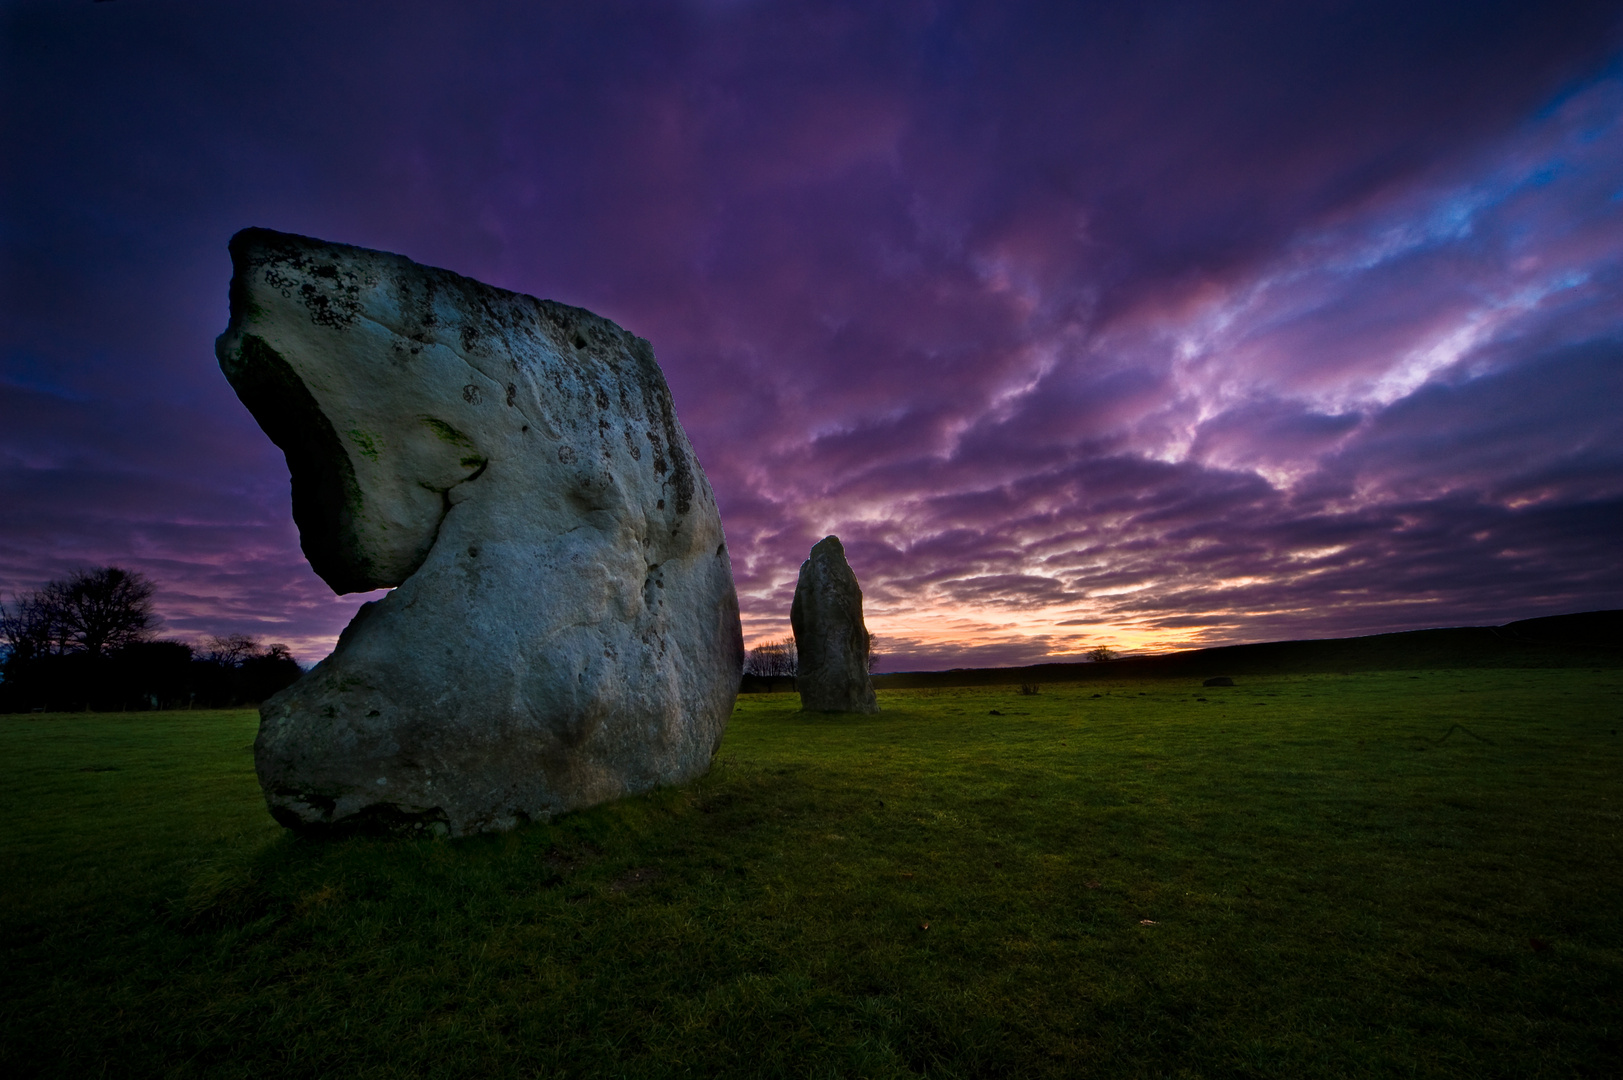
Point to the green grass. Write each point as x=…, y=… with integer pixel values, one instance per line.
x=1337, y=889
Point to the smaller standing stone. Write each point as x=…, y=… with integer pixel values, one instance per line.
x=830, y=635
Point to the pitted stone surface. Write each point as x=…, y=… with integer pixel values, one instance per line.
x=830, y=635
x=563, y=628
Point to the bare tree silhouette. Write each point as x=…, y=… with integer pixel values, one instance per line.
x=772, y=660
x=94, y=611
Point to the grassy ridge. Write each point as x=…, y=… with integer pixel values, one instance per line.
x=1340, y=882
x=1591, y=639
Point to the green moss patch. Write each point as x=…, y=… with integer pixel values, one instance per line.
x=364, y=442
x=446, y=432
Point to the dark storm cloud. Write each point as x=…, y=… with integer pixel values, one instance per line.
x=1076, y=322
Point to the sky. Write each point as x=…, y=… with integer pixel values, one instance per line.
x=1147, y=325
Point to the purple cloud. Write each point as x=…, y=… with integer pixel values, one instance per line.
x=1147, y=326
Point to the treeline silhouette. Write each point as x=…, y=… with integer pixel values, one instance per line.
x=87, y=642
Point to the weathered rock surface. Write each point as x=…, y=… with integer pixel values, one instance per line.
x=564, y=629
x=830, y=635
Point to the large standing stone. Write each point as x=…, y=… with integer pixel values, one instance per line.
x=829, y=634
x=564, y=629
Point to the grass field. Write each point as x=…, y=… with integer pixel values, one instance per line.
x=1297, y=876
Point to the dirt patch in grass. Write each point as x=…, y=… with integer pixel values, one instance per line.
x=634, y=879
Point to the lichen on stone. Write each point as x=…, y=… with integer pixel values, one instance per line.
x=447, y=432
x=364, y=443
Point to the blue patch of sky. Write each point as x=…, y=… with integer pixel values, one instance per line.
x=1580, y=85
x=30, y=371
